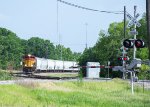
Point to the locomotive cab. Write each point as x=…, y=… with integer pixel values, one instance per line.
x=28, y=63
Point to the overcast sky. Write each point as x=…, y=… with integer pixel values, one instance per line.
x=38, y=18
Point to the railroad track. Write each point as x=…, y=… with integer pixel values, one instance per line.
x=38, y=76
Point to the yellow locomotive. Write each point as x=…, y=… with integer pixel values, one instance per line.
x=29, y=63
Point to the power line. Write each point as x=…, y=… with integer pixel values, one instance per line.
x=85, y=8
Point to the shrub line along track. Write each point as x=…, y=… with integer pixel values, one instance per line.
x=20, y=74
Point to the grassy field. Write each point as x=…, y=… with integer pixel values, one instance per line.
x=114, y=93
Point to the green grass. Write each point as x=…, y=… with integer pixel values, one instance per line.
x=5, y=75
x=114, y=93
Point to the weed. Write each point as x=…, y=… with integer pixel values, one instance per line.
x=28, y=84
x=4, y=75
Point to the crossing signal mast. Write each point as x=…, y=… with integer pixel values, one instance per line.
x=133, y=43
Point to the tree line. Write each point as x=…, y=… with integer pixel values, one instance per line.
x=107, y=48
x=13, y=48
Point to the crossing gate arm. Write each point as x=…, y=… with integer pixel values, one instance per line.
x=102, y=66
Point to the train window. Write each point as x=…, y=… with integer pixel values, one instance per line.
x=28, y=56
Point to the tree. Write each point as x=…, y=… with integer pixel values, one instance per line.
x=11, y=49
x=39, y=47
x=65, y=53
x=142, y=34
x=144, y=72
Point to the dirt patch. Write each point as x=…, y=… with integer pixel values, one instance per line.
x=53, y=86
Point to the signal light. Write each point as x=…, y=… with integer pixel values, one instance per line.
x=120, y=58
x=123, y=48
x=139, y=43
x=126, y=58
x=128, y=43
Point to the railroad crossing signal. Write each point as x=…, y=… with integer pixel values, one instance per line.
x=123, y=48
x=139, y=43
x=125, y=58
x=133, y=20
x=130, y=43
x=120, y=58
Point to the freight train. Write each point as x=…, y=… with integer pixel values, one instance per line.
x=33, y=64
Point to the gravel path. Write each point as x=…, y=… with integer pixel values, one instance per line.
x=7, y=82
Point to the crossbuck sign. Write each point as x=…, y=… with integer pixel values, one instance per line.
x=133, y=20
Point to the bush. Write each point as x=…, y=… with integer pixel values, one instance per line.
x=144, y=72
x=5, y=75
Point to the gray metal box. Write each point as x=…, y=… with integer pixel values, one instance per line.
x=92, y=72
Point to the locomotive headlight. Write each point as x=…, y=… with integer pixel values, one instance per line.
x=31, y=65
x=25, y=65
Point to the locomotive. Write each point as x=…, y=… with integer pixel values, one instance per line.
x=33, y=64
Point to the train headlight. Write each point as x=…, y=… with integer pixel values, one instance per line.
x=25, y=65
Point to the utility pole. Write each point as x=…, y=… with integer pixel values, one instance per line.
x=86, y=35
x=124, y=62
x=124, y=22
x=108, y=67
x=60, y=42
x=134, y=48
x=148, y=23
x=58, y=34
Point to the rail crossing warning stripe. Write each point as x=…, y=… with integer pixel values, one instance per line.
x=93, y=67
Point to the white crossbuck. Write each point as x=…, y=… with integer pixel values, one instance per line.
x=133, y=20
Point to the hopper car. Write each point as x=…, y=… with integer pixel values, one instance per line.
x=33, y=64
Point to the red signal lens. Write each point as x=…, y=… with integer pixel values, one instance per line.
x=119, y=58
x=139, y=43
x=125, y=58
x=128, y=43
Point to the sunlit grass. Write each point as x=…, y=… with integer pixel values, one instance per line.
x=17, y=96
x=116, y=93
